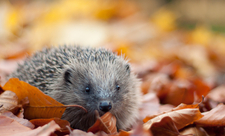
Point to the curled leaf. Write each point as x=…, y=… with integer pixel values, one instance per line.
x=106, y=123
x=182, y=116
x=9, y=102
x=214, y=117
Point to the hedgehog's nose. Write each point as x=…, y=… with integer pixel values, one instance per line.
x=105, y=106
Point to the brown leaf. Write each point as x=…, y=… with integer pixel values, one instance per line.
x=158, y=83
x=182, y=116
x=182, y=91
x=106, y=123
x=9, y=100
x=22, y=121
x=217, y=94
x=214, y=117
x=164, y=127
x=200, y=88
x=62, y=123
x=41, y=105
x=195, y=131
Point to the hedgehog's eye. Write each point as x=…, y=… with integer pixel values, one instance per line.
x=117, y=87
x=87, y=89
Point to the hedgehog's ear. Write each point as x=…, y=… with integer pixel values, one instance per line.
x=127, y=68
x=67, y=76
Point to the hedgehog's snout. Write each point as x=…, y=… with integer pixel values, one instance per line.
x=105, y=106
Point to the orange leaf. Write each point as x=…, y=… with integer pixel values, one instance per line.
x=106, y=123
x=215, y=117
x=201, y=88
x=182, y=116
x=182, y=91
x=62, y=123
x=41, y=105
x=165, y=127
x=124, y=133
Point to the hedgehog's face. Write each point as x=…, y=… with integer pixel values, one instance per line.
x=103, y=87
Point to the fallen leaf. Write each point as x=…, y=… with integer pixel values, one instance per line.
x=182, y=91
x=195, y=131
x=139, y=130
x=217, y=94
x=200, y=88
x=22, y=121
x=106, y=123
x=124, y=133
x=10, y=127
x=41, y=105
x=165, y=108
x=159, y=83
x=182, y=116
x=9, y=100
x=62, y=124
x=150, y=105
x=164, y=127
x=214, y=117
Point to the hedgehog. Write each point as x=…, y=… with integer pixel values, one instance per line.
x=94, y=78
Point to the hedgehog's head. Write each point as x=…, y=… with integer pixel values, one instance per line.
x=102, y=85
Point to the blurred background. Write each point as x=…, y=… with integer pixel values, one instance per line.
x=187, y=36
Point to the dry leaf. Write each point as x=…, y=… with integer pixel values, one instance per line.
x=195, y=131
x=200, y=88
x=41, y=105
x=217, y=94
x=182, y=116
x=22, y=121
x=165, y=108
x=106, y=123
x=10, y=127
x=150, y=105
x=215, y=117
x=182, y=91
x=159, y=83
x=139, y=130
x=164, y=127
x=9, y=102
x=63, y=124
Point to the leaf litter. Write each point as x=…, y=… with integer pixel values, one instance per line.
x=175, y=67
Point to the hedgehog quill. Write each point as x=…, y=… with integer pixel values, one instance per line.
x=94, y=78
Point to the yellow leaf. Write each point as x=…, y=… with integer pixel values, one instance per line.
x=164, y=19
